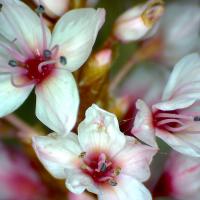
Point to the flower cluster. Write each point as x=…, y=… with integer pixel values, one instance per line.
x=48, y=49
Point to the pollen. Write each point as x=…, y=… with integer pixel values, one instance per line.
x=100, y=168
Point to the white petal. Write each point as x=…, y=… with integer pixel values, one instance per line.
x=143, y=126
x=186, y=143
x=57, y=102
x=77, y=182
x=16, y=18
x=127, y=188
x=135, y=160
x=57, y=152
x=75, y=33
x=183, y=86
x=11, y=97
x=100, y=130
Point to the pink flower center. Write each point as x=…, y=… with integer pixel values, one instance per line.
x=100, y=168
x=28, y=65
x=33, y=72
x=172, y=121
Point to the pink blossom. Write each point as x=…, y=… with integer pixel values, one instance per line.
x=18, y=179
x=180, y=179
x=175, y=119
x=100, y=159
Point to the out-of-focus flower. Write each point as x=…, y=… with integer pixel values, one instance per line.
x=138, y=21
x=145, y=82
x=35, y=58
x=180, y=179
x=18, y=180
x=100, y=159
x=179, y=30
x=176, y=119
x=54, y=9
x=82, y=196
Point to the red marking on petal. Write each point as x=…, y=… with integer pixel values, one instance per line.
x=33, y=72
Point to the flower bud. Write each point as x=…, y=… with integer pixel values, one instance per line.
x=54, y=8
x=137, y=22
x=92, y=78
x=180, y=179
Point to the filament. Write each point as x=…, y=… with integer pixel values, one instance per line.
x=23, y=84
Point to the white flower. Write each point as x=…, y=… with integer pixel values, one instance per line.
x=179, y=30
x=30, y=56
x=137, y=22
x=100, y=159
x=176, y=119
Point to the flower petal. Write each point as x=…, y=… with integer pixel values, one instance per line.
x=16, y=19
x=185, y=143
x=135, y=160
x=75, y=34
x=127, y=188
x=143, y=126
x=100, y=130
x=77, y=182
x=183, y=87
x=57, y=152
x=57, y=102
x=11, y=97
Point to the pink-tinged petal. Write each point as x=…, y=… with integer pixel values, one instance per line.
x=127, y=188
x=57, y=152
x=83, y=196
x=15, y=19
x=77, y=182
x=54, y=8
x=135, y=159
x=11, y=97
x=143, y=124
x=57, y=102
x=187, y=143
x=100, y=131
x=75, y=34
x=18, y=179
x=180, y=171
x=182, y=89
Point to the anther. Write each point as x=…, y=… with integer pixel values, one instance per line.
x=112, y=182
x=12, y=63
x=197, y=118
x=82, y=154
x=40, y=9
x=103, y=167
x=117, y=171
x=47, y=53
x=63, y=60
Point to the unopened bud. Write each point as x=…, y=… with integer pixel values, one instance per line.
x=54, y=8
x=96, y=67
x=137, y=22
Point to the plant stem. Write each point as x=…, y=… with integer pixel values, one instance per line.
x=25, y=132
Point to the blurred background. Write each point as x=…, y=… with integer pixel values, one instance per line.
x=22, y=177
